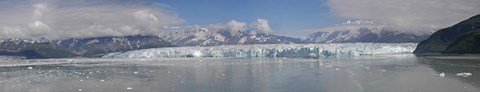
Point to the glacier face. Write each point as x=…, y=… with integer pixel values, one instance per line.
x=272, y=50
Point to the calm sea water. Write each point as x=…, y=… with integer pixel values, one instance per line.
x=378, y=73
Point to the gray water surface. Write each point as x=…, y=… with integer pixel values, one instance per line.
x=379, y=73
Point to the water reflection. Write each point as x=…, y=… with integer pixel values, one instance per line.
x=397, y=73
x=452, y=65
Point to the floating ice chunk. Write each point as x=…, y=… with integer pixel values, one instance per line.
x=197, y=54
x=464, y=74
x=442, y=75
x=328, y=66
x=366, y=67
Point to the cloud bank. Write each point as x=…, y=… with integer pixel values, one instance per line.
x=261, y=25
x=59, y=19
x=407, y=15
x=352, y=26
x=233, y=27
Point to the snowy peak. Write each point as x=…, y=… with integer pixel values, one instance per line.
x=202, y=37
x=364, y=35
x=358, y=22
x=362, y=31
x=112, y=44
x=354, y=32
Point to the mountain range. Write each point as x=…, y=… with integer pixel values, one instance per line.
x=226, y=38
x=364, y=35
x=88, y=47
x=94, y=47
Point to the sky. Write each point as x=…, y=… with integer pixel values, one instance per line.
x=285, y=16
x=63, y=19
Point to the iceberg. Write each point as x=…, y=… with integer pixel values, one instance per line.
x=272, y=50
x=464, y=74
x=441, y=75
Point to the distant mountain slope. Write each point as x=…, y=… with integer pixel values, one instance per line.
x=363, y=35
x=189, y=38
x=88, y=47
x=459, y=38
x=33, y=49
x=468, y=43
x=92, y=46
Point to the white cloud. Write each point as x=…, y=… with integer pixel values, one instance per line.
x=261, y=26
x=352, y=26
x=58, y=19
x=407, y=15
x=235, y=26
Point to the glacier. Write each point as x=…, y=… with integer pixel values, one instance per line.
x=272, y=50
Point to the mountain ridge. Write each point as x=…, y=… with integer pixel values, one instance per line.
x=94, y=47
x=441, y=40
x=364, y=35
x=227, y=38
x=85, y=47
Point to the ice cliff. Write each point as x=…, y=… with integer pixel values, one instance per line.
x=272, y=50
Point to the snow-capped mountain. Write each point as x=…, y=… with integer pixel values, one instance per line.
x=364, y=35
x=201, y=37
x=362, y=31
x=78, y=47
x=91, y=46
